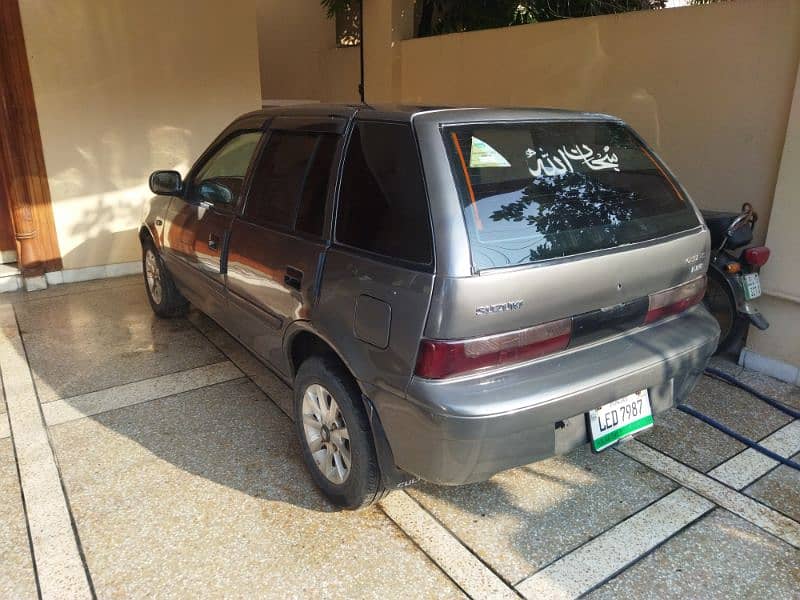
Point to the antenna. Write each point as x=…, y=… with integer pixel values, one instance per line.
x=361, y=47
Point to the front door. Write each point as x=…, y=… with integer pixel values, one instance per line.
x=198, y=223
x=277, y=246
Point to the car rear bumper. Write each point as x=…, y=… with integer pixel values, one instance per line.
x=466, y=429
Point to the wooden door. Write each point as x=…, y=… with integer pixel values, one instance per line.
x=24, y=189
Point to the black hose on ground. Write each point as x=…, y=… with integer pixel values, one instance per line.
x=738, y=436
x=730, y=379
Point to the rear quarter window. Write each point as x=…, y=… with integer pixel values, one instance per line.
x=383, y=207
x=539, y=191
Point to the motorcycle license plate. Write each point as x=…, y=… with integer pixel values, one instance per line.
x=619, y=419
x=752, y=286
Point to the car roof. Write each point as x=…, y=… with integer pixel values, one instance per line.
x=407, y=113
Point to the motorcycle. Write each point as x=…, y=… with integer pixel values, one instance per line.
x=733, y=279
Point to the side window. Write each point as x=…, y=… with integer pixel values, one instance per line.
x=382, y=202
x=278, y=178
x=311, y=212
x=226, y=169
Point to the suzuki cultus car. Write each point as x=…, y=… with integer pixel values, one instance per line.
x=449, y=292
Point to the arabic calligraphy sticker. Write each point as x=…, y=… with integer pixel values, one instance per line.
x=483, y=155
x=570, y=159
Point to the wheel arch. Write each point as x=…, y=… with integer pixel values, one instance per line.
x=301, y=341
x=146, y=234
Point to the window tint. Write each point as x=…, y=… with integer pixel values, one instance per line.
x=536, y=191
x=311, y=212
x=228, y=166
x=278, y=178
x=382, y=203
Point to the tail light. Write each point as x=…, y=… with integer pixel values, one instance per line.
x=756, y=256
x=675, y=300
x=438, y=359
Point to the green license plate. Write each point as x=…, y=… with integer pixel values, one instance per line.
x=620, y=419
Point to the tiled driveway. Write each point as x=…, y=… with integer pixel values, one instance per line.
x=155, y=459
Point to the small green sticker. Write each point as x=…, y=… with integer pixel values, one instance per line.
x=483, y=155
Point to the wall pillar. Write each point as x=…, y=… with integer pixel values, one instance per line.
x=23, y=178
x=781, y=300
x=386, y=23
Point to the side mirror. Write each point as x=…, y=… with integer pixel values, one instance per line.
x=166, y=183
x=214, y=193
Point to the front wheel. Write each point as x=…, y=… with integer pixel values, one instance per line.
x=721, y=304
x=335, y=435
x=165, y=299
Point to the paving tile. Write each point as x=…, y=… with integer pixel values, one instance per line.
x=77, y=407
x=54, y=291
x=725, y=364
x=736, y=408
x=720, y=556
x=748, y=466
x=609, y=553
x=522, y=519
x=269, y=383
x=761, y=515
x=204, y=494
x=445, y=549
x=690, y=441
x=769, y=386
x=17, y=579
x=780, y=489
x=80, y=343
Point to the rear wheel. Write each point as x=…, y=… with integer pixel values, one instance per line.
x=335, y=434
x=165, y=299
x=722, y=305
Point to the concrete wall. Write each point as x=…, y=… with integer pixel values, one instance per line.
x=780, y=275
x=123, y=88
x=298, y=54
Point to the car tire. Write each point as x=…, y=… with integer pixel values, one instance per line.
x=327, y=400
x=165, y=299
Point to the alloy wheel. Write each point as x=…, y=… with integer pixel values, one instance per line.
x=326, y=433
x=152, y=273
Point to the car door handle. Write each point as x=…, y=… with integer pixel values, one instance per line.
x=293, y=278
x=213, y=241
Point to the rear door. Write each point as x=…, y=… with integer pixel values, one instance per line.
x=198, y=223
x=278, y=243
x=378, y=274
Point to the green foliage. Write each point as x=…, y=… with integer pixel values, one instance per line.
x=447, y=16
x=333, y=6
x=435, y=17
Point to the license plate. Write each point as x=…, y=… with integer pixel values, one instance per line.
x=752, y=286
x=620, y=419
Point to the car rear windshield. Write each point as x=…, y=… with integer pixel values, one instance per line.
x=538, y=191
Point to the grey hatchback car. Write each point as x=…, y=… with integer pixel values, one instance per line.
x=449, y=292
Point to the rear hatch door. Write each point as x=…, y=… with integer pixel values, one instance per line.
x=564, y=219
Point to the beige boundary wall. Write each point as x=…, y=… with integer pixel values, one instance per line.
x=710, y=87
x=123, y=88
